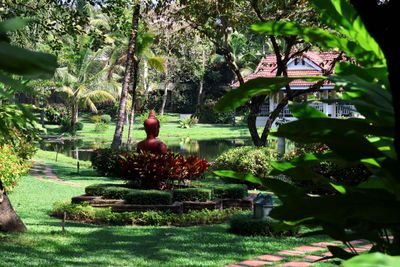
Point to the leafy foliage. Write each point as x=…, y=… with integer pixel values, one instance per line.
x=365, y=211
x=86, y=213
x=12, y=167
x=148, y=197
x=235, y=191
x=146, y=170
x=152, y=171
x=248, y=226
x=192, y=194
x=246, y=159
x=56, y=113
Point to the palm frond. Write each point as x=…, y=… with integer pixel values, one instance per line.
x=100, y=96
x=157, y=63
x=65, y=76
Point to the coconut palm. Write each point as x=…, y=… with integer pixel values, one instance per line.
x=80, y=81
x=144, y=54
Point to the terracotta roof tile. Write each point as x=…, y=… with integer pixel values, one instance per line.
x=268, y=67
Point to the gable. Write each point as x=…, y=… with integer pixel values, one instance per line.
x=302, y=63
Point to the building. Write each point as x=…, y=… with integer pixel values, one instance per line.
x=308, y=64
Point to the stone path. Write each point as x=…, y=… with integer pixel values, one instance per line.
x=302, y=256
x=42, y=171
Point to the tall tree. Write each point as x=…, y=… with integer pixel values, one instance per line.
x=127, y=80
x=81, y=77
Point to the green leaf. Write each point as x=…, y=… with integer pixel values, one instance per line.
x=259, y=86
x=345, y=137
x=20, y=61
x=13, y=24
x=342, y=17
x=305, y=111
x=376, y=259
x=322, y=37
x=239, y=176
x=340, y=188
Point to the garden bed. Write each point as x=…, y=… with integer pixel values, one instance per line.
x=119, y=205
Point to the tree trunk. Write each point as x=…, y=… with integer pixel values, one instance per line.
x=164, y=102
x=201, y=85
x=146, y=86
x=74, y=117
x=42, y=114
x=133, y=97
x=9, y=220
x=119, y=129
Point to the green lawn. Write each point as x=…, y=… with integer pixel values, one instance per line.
x=170, y=131
x=91, y=245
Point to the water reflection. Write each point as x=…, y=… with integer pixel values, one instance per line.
x=207, y=149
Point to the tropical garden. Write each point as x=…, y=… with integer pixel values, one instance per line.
x=129, y=134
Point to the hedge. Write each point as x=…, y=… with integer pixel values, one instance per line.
x=85, y=213
x=246, y=225
x=235, y=191
x=192, y=194
x=100, y=189
x=148, y=197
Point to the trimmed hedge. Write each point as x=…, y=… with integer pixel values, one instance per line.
x=148, y=197
x=246, y=225
x=116, y=192
x=100, y=189
x=192, y=194
x=235, y=191
x=85, y=213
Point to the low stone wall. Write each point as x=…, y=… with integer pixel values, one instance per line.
x=118, y=205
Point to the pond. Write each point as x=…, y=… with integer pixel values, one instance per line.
x=206, y=149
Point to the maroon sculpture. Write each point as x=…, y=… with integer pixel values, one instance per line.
x=151, y=144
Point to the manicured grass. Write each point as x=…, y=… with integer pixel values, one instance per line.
x=170, y=131
x=91, y=245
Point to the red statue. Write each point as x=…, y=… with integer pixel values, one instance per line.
x=151, y=144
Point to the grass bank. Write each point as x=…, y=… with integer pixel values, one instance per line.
x=91, y=245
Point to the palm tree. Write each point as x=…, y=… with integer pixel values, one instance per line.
x=144, y=54
x=80, y=81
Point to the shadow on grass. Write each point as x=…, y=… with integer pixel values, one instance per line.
x=147, y=246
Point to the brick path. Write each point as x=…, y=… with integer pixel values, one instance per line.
x=302, y=256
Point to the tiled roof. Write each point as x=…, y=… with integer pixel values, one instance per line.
x=268, y=67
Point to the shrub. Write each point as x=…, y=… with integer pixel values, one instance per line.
x=245, y=224
x=95, y=118
x=148, y=197
x=209, y=115
x=151, y=171
x=105, y=161
x=350, y=175
x=56, y=113
x=100, y=127
x=99, y=189
x=12, y=167
x=86, y=213
x=192, y=194
x=235, y=191
x=116, y=192
x=105, y=118
x=246, y=159
x=188, y=122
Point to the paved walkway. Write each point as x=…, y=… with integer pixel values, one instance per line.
x=300, y=256
x=42, y=171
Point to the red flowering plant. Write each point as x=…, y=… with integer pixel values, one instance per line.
x=155, y=171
